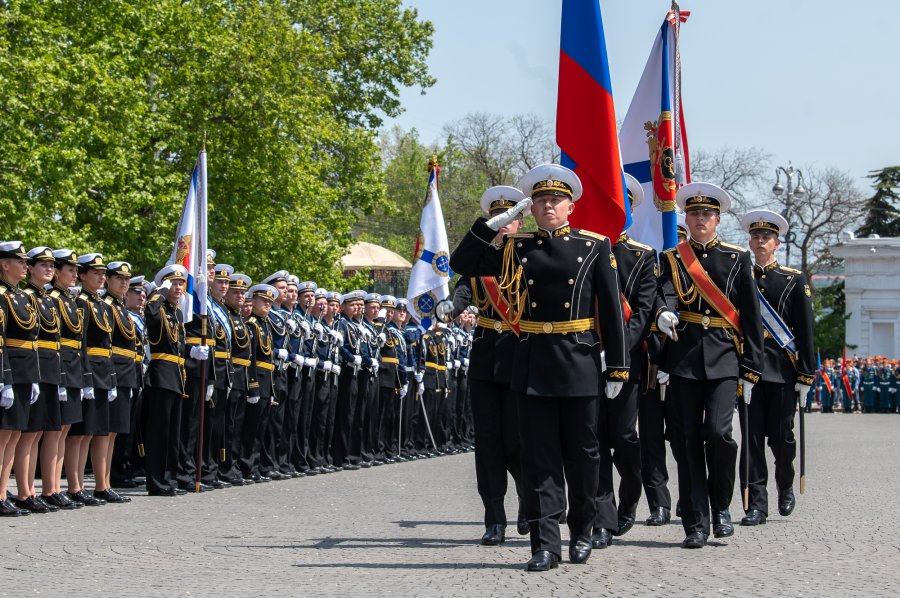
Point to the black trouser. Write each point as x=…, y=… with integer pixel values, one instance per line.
x=288, y=440
x=771, y=415
x=619, y=446
x=126, y=458
x=653, y=416
x=161, y=439
x=301, y=458
x=332, y=420
x=188, y=432
x=231, y=434
x=559, y=446
x=428, y=420
x=343, y=415
x=318, y=440
x=363, y=413
x=702, y=412
x=270, y=447
x=214, y=435
x=461, y=421
x=494, y=412
x=448, y=411
x=411, y=423
x=388, y=422
x=254, y=420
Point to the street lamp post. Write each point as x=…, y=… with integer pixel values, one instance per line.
x=799, y=191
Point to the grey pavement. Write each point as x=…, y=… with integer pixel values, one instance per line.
x=413, y=529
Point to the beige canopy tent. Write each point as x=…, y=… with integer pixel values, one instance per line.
x=368, y=256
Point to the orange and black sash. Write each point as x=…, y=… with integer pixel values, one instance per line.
x=498, y=302
x=708, y=289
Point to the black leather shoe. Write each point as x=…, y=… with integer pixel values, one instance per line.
x=110, y=495
x=754, y=517
x=601, y=538
x=523, y=528
x=8, y=509
x=241, y=482
x=722, y=526
x=377, y=462
x=60, y=502
x=694, y=540
x=219, y=484
x=494, y=535
x=659, y=516
x=542, y=560
x=277, y=476
x=365, y=464
x=579, y=552
x=351, y=467
x=626, y=522
x=260, y=479
x=313, y=471
x=180, y=491
x=786, y=502
x=164, y=492
x=32, y=505
x=678, y=509
x=84, y=499
x=337, y=468
x=124, y=483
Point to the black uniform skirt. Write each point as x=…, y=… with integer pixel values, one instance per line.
x=16, y=417
x=70, y=410
x=120, y=412
x=95, y=416
x=44, y=413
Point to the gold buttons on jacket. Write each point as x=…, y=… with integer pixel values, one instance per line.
x=530, y=281
x=571, y=281
x=533, y=304
x=524, y=260
x=579, y=260
x=566, y=304
x=589, y=243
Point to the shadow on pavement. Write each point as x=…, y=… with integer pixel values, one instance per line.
x=449, y=566
x=344, y=543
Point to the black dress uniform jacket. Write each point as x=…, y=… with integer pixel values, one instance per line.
x=22, y=329
x=788, y=293
x=434, y=356
x=567, y=274
x=710, y=353
x=637, y=268
x=125, y=345
x=48, y=336
x=390, y=374
x=165, y=333
x=71, y=333
x=193, y=331
x=221, y=352
x=97, y=344
x=262, y=367
x=492, y=351
x=240, y=350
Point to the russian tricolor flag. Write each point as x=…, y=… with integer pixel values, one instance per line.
x=586, y=120
x=191, y=242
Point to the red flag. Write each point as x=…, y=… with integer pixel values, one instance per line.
x=844, y=373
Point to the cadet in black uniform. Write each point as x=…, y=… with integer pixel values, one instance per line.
x=789, y=366
x=718, y=315
x=229, y=471
x=490, y=369
x=20, y=371
x=165, y=380
x=558, y=281
x=260, y=378
x=617, y=427
x=392, y=385
x=214, y=441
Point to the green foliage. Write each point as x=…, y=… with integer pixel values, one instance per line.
x=107, y=103
x=830, y=314
x=882, y=215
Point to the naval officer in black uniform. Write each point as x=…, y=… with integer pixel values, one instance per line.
x=789, y=366
x=558, y=280
x=710, y=285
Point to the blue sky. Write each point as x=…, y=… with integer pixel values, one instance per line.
x=813, y=82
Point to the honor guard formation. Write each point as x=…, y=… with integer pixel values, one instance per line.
x=561, y=355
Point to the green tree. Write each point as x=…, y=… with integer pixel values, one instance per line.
x=830, y=315
x=108, y=102
x=882, y=215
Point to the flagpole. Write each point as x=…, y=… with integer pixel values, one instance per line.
x=201, y=226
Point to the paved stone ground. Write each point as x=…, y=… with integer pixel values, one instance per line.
x=413, y=529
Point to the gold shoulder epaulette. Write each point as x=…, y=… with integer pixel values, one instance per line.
x=84, y=296
x=54, y=293
x=791, y=270
x=2, y=290
x=670, y=250
x=736, y=247
x=590, y=233
x=108, y=300
x=29, y=291
x=155, y=297
x=520, y=236
x=638, y=245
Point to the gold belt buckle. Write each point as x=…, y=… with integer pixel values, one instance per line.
x=498, y=326
x=548, y=327
x=705, y=321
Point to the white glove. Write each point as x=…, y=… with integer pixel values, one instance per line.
x=364, y=332
x=35, y=393
x=282, y=354
x=61, y=394
x=421, y=388
x=253, y=400
x=602, y=361
x=382, y=313
x=444, y=310
x=456, y=364
x=802, y=390
x=613, y=388
x=200, y=352
x=666, y=323
x=310, y=362
x=449, y=365
x=892, y=390
x=746, y=390
x=662, y=377
x=7, y=396
x=336, y=369
x=319, y=330
x=373, y=362
x=209, y=392
x=112, y=395
x=375, y=367
x=299, y=360
x=291, y=325
x=326, y=366
x=466, y=362
x=501, y=220
x=404, y=389
x=419, y=376
x=336, y=337
x=382, y=339
x=305, y=329
x=87, y=394
x=357, y=360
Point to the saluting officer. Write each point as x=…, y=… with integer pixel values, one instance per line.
x=165, y=380
x=710, y=284
x=786, y=309
x=558, y=281
x=617, y=426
